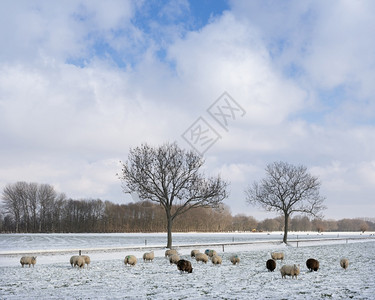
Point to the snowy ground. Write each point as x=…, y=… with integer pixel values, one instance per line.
x=108, y=277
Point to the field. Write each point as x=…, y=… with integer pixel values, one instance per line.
x=108, y=278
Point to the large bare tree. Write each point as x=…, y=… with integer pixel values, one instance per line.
x=287, y=189
x=171, y=177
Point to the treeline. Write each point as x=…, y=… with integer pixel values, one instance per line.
x=33, y=208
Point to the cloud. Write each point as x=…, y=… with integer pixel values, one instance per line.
x=82, y=82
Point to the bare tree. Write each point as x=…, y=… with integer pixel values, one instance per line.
x=32, y=196
x=12, y=204
x=287, y=189
x=46, y=198
x=170, y=176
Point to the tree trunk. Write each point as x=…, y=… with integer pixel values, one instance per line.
x=286, y=221
x=169, y=230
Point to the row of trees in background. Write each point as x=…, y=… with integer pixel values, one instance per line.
x=32, y=208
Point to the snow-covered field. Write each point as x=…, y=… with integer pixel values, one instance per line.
x=108, y=277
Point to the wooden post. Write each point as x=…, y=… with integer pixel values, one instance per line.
x=223, y=247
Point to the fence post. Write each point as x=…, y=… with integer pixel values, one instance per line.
x=223, y=247
x=145, y=242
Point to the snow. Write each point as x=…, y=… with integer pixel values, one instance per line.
x=108, y=278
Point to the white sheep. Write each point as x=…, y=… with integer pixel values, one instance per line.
x=80, y=262
x=210, y=252
x=344, y=263
x=174, y=258
x=170, y=252
x=193, y=252
x=87, y=259
x=235, y=259
x=277, y=255
x=216, y=260
x=73, y=259
x=201, y=257
x=290, y=270
x=130, y=259
x=28, y=260
x=148, y=256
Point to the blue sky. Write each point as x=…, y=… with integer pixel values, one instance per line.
x=83, y=81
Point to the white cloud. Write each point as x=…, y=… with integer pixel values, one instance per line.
x=69, y=125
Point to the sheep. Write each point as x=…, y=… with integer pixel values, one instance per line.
x=271, y=265
x=170, y=252
x=216, y=260
x=277, y=255
x=193, y=252
x=148, y=256
x=344, y=263
x=73, y=259
x=87, y=259
x=210, y=252
x=174, y=258
x=201, y=257
x=234, y=259
x=184, y=266
x=79, y=261
x=28, y=260
x=130, y=259
x=312, y=264
x=290, y=270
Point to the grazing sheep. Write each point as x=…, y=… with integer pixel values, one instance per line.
x=271, y=265
x=201, y=257
x=87, y=259
x=170, y=252
x=130, y=260
x=344, y=263
x=184, y=266
x=277, y=255
x=235, y=259
x=174, y=258
x=210, y=252
x=80, y=262
x=28, y=260
x=312, y=264
x=193, y=252
x=290, y=270
x=216, y=260
x=149, y=256
x=73, y=259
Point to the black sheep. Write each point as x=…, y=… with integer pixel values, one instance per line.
x=271, y=265
x=184, y=266
x=312, y=264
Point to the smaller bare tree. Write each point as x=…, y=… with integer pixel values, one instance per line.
x=287, y=189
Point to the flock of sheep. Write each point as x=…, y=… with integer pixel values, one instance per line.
x=185, y=265
x=293, y=270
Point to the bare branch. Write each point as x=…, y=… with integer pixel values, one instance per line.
x=171, y=176
x=287, y=189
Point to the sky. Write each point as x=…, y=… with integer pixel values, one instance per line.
x=242, y=83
